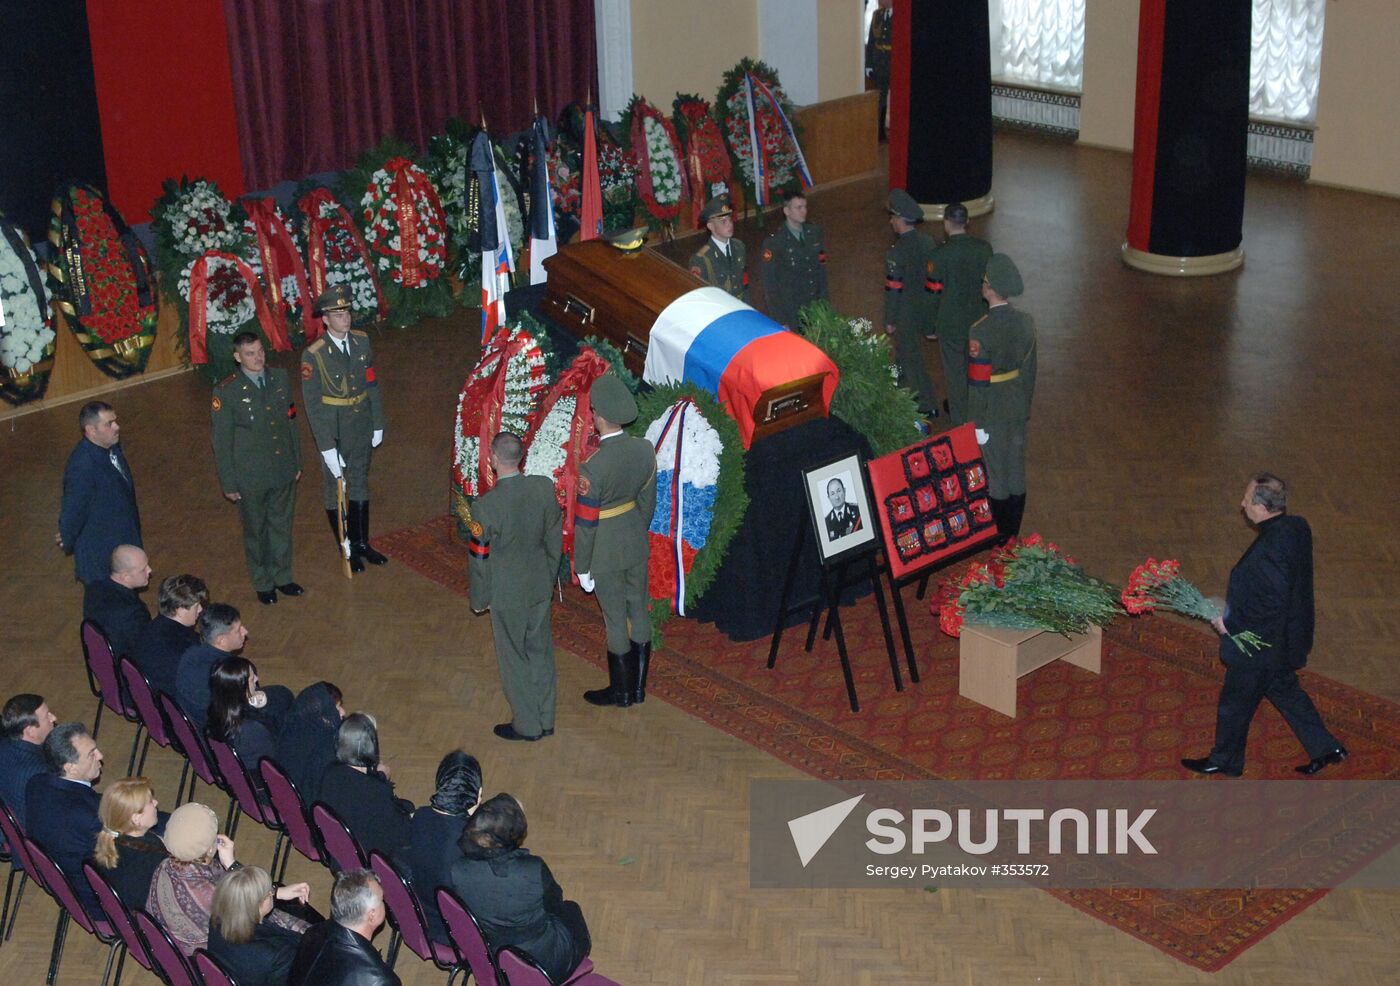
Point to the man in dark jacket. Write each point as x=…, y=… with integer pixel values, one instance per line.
x=113, y=604
x=98, y=511
x=1271, y=596
x=61, y=805
x=163, y=640
x=27, y=722
x=339, y=952
x=221, y=633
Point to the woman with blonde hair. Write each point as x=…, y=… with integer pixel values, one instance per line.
x=127, y=848
x=255, y=942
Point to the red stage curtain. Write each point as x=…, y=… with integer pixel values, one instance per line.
x=317, y=82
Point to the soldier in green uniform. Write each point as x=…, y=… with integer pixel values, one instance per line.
x=721, y=261
x=878, y=49
x=958, y=266
x=616, y=498
x=909, y=301
x=1001, y=382
x=257, y=449
x=794, y=263
x=341, y=395
x=517, y=535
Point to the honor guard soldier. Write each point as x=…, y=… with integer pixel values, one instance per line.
x=517, y=536
x=721, y=261
x=1000, y=384
x=341, y=395
x=879, y=47
x=909, y=300
x=958, y=265
x=794, y=263
x=616, y=498
x=257, y=448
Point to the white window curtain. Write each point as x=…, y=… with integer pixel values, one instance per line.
x=1038, y=43
x=1286, y=60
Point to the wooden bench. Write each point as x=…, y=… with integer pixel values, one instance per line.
x=990, y=660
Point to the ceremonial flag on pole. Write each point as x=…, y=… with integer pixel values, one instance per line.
x=543, y=243
x=591, y=226
x=496, y=260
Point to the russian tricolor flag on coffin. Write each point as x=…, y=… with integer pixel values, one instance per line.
x=713, y=340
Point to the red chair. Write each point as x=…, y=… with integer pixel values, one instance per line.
x=467, y=937
x=287, y=802
x=69, y=909
x=343, y=850
x=105, y=683
x=144, y=699
x=186, y=739
x=520, y=969
x=210, y=970
x=170, y=963
x=119, y=918
x=19, y=863
x=243, y=795
x=406, y=916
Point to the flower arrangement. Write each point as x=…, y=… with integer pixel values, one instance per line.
x=446, y=167
x=279, y=253
x=1156, y=584
x=26, y=320
x=1028, y=585
x=700, y=497
x=103, y=281
x=867, y=396
x=661, y=180
x=617, y=176
x=706, y=160
x=565, y=178
x=777, y=147
x=336, y=254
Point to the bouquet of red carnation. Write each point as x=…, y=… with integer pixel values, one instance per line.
x=1156, y=584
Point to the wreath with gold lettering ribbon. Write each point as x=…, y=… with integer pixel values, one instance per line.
x=336, y=254
x=283, y=271
x=26, y=320
x=406, y=232
x=103, y=281
x=227, y=283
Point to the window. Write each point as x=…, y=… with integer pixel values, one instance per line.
x=1286, y=60
x=1038, y=43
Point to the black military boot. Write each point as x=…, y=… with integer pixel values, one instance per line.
x=360, y=510
x=352, y=534
x=641, y=656
x=1015, y=509
x=1001, y=515
x=618, y=691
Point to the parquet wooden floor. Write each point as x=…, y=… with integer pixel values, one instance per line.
x=1156, y=400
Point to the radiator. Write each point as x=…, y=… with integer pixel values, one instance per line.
x=1280, y=149
x=1036, y=109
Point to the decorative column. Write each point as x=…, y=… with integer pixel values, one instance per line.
x=1192, y=117
x=941, y=104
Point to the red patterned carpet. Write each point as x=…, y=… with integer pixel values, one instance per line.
x=1154, y=703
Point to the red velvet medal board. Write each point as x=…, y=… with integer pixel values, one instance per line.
x=931, y=498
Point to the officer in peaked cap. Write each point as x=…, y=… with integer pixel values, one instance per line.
x=721, y=261
x=613, y=507
x=910, y=304
x=341, y=395
x=1001, y=366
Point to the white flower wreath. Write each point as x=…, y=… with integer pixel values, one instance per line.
x=25, y=330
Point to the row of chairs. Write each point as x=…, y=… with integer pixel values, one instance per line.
x=315, y=831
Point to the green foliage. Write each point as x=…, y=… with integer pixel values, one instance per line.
x=615, y=359
x=731, y=498
x=867, y=398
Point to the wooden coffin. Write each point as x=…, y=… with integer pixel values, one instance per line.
x=595, y=289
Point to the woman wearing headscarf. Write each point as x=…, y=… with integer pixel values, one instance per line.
x=182, y=889
x=127, y=850
x=254, y=942
x=357, y=788
x=306, y=745
x=435, y=830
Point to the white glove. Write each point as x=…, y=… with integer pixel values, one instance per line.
x=982, y=437
x=333, y=461
x=585, y=581
x=376, y=438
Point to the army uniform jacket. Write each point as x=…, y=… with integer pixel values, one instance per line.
x=616, y=499
x=879, y=46
x=726, y=272
x=517, y=535
x=1001, y=364
x=257, y=445
x=909, y=300
x=341, y=393
x=958, y=268
x=794, y=271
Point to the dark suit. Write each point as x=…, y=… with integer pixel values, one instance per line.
x=19, y=761
x=98, y=510
x=264, y=961
x=192, y=681
x=1270, y=594
x=159, y=646
x=62, y=818
x=333, y=955
x=119, y=611
x=366, y=803
x=842, y=520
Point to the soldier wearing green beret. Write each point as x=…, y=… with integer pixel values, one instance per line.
x=721, y=260
x=1001, y=365
x=517, y=535
x=909, y=301
x=341, y=394
x=257, y=449
x=613, y=508
x=958, y=266
x=794, y=263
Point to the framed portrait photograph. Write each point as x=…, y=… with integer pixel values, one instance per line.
x=838, y=500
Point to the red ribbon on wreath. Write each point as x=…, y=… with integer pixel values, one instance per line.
x=199, y=305
x=706, y=156
x=640, y=113
x=407, y=179
x=280, y=258
x=316, y=242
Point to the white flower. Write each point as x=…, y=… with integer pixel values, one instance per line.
x=700, y=448
x=548, y=450
x=27, y=331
